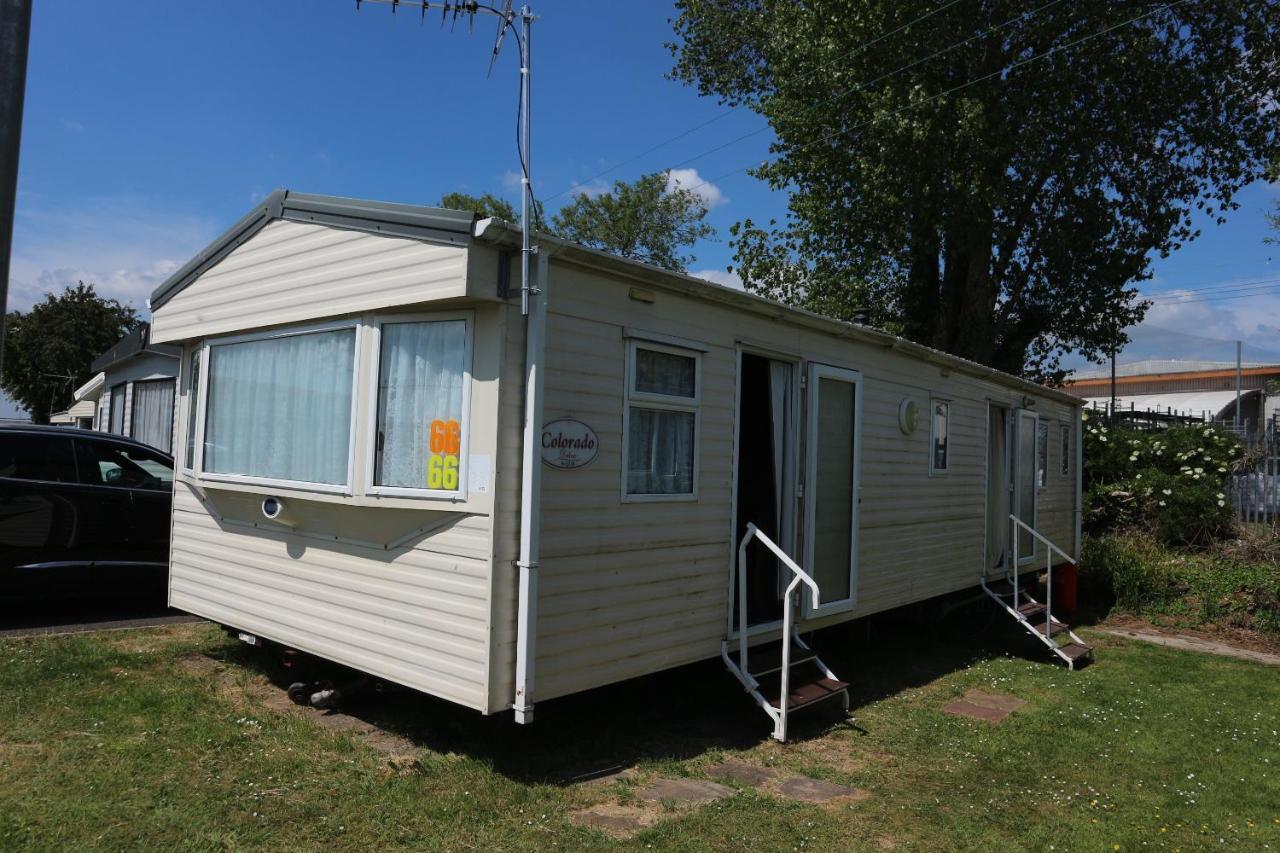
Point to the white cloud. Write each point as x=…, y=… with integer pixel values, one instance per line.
x=73, y=125
x=511, y=181
x=689, y=179
x=124, y=246
x=728, y=279
x=1208, y=330
x=591, y=189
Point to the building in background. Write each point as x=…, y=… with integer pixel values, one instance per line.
x=135, y=396
x=83, y=410
x=1200, y=389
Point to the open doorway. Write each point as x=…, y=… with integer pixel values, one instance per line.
x=766, y=476
x=999, y=489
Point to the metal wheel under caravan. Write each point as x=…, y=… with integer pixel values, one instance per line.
x=382, y=461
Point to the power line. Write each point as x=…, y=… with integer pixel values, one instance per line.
x=732, y=110
x=1275, y=291
x=1006, y=70
x=1187, y=294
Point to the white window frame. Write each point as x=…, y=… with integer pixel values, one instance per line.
x=347, y=488
x=933, y=401
x=661, y=402
x=371, y=416
x=1064, y=446
x=190, y=407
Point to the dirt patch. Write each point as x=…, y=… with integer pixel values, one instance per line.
x=732, y=770
x=257, y=690
x=1236, y=638
x=618, y=821
x=817, y=790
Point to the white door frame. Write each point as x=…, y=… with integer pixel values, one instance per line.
x=793, y=451
x=818, y=372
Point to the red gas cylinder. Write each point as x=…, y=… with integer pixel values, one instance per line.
x=1065, y=588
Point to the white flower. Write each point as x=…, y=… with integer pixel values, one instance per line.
x=1161, y=503
x=1222, y=503
x=1167, y=491
x=1199, y=470
x=1102, y=438
x=1221, y=496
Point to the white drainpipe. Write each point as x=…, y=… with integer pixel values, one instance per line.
x=531, y=494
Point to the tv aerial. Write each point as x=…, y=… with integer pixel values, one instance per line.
x=450, y=11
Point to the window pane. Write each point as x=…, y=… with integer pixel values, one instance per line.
x=281, y=407
x=127, y=467
x=833, y=490
x=665, y=373
x=660, y=452
x=1042, y=454
x=117, y=409
x=152, y=419
x=34, y=457
x=420, y=418
x=1065, y=447
x=940, y=418
x=193, y=398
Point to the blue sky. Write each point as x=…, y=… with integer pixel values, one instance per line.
x=151, y=126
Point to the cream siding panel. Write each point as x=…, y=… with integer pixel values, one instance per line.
x=631, y=588
x=416, y=614
x=291, y=272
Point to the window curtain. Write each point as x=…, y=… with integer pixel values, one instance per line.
x=281, y=407
x=193, y=398
x=421, y=379
x=151, y=421
x=660, y=452
x=116, y=410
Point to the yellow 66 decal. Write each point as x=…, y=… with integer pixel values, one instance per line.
x=442, y=465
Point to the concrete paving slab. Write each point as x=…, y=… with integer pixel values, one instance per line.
x=684, y=791
x=961, y=708
x=817, y=790
x=732, y=770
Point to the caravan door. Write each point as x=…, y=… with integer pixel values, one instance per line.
x=833, y=442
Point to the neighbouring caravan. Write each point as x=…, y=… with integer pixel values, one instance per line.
x=383, y=461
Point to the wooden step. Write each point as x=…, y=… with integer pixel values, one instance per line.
x=1075, y=651
x=1055, y=627
x=1030, y=610
x=810, y=693
x=767, y=659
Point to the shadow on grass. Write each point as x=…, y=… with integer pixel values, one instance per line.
x=678, y=714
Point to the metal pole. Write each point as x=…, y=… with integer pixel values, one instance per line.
x=15, y=38
x=1111, y=421
x=1238, y=348
x=526, y=126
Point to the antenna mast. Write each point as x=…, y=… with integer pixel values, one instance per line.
x=449, y=12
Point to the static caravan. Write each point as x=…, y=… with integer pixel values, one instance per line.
x=385, y=460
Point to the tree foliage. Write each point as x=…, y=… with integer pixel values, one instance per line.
x=649, y=220
x=48, y=349
x=1006, y=221
x=490, y=206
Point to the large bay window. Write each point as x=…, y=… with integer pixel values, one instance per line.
x=663, y=392
x=420, y=425
x=280, y=407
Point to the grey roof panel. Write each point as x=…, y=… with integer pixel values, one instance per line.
x=135, y=342
x=414, y=222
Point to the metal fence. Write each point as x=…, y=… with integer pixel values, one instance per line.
x=1254, y=486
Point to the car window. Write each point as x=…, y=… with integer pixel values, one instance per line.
x=108, y=464
x=37, y=457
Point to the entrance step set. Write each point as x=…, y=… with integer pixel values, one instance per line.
x=1036, y=617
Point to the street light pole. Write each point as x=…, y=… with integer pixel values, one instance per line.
x=15, y=37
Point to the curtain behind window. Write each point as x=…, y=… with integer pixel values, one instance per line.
x=420, y=380
x=116, y=411
x=660, y=452
x=281, y=407
x=152, y=417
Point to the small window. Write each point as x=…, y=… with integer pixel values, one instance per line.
x=106, y=464
x=939, y=436
x=420, y=443
x=662, y=422
x=1042, y=454
x=116, y=423
x=193, y=398
x=41, y=458
x=280, y=407
x=1064, y=447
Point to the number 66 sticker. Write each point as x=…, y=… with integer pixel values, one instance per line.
x=442, y=464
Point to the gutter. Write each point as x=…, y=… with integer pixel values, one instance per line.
x=530, y=494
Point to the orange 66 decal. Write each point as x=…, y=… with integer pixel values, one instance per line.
x=442, y=465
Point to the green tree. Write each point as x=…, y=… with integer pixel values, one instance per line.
x=491, y=206
x=48, y=349
x=975, y=198
x=646, y=220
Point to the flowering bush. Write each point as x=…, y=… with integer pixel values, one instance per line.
x=1172, y=483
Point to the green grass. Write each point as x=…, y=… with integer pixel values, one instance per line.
x=115, y=741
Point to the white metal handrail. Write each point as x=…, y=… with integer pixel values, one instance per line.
x=801, y=576
x=1050, y=548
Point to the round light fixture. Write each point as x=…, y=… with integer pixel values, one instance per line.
x=908, y=416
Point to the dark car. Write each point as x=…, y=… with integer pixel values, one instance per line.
x=82, y=514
